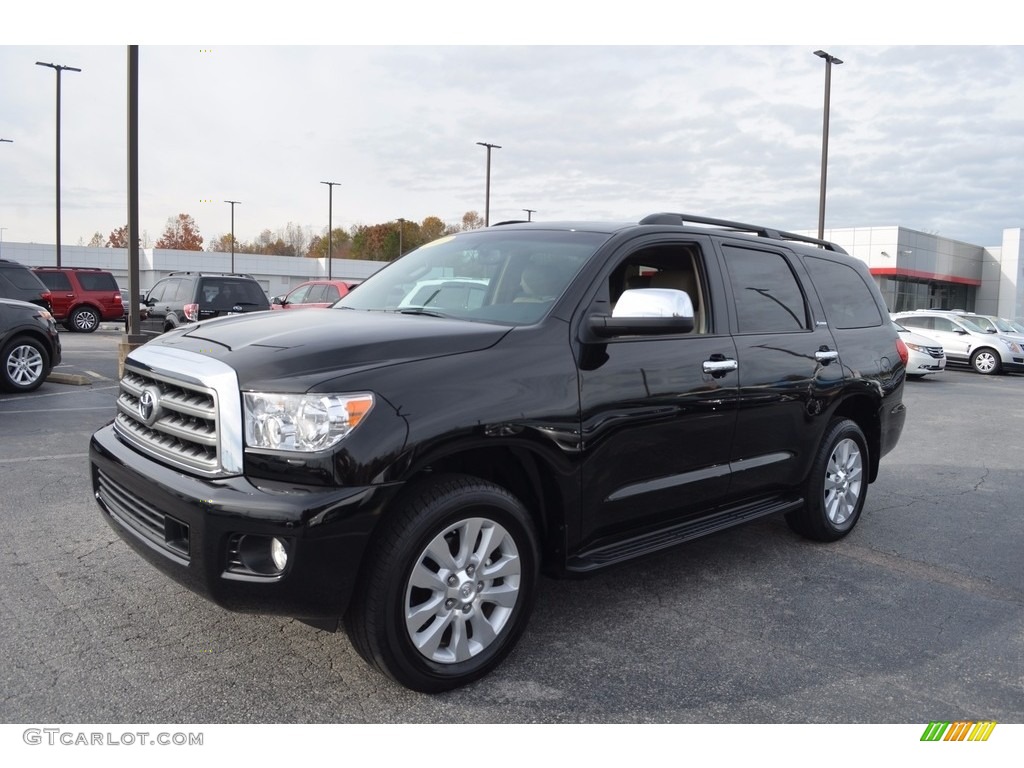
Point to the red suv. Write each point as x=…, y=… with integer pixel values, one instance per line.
x=313, y=293
x=82, y=297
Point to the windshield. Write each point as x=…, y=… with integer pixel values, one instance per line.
x=503, y=276
x=1003, y=325
x=969, y=325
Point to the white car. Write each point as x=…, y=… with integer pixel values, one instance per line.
x=964, y=342
x=926, y=355
x=446, y=293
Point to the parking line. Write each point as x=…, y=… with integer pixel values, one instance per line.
x=45, y=458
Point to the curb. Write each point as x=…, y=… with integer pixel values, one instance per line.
x=76, y=379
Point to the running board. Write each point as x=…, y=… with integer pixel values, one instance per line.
x=663, y=538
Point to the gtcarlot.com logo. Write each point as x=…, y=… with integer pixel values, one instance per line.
x=959, y=731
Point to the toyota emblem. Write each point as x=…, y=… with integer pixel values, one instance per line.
x=149, y=405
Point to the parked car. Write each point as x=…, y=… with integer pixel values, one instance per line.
x=994, y=324
x=964, y=342
x=82, y=297
x=926, y=355
x=29, y=345
x=413, y=472
x=19, y=282
x=182, y=298
x=312, y=294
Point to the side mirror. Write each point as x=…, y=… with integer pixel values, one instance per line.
x=277, y=300
x=644, y=312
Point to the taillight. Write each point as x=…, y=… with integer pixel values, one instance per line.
x=192, y=313
x=901, y=347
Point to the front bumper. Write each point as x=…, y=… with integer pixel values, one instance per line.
x=189, y=528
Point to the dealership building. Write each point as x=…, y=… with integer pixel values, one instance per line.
x=914, y=270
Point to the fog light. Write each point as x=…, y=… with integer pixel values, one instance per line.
x=262, y=555
x=278, y=553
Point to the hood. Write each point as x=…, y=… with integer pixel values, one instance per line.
x=295, y=351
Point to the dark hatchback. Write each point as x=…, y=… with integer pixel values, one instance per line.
x=620, y=389
x=29, y=345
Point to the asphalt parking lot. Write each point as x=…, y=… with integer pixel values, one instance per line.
x=917, y=616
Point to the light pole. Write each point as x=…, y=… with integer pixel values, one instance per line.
x=401, y=227
x=330, y=224
x=233, y=204
x=487, y=202
x=529, y=213
x=58, y=68
x=829, y=61
x=2, y=240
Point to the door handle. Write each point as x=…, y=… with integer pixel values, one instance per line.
x=826, y=356
x=719, y=365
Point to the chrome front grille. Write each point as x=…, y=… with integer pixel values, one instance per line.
x=936, y=352
x=178, y=425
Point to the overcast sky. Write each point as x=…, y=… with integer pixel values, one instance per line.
x=929, y=137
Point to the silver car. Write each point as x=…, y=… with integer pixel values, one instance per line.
x=965, y=342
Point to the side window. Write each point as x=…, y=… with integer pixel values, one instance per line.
x=97, y=281
x=315, y=295
x=767, y=294
x=156, y=293
x=847, y=299
x=298, y=296
x=55, y=281
x=331, y=293
x=918, y=322
x=944, y=324
x=675, y=266
x=182, y=292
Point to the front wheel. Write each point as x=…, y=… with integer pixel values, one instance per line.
x=837, y=486
x=24, y=365
x=986, y=361
x=448, y=586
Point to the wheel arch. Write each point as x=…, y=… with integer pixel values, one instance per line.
x=865, y=412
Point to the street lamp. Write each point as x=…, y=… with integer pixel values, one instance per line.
x=487, y=203
x=401, y=226
x=829, y=61
x=330, y=223
x=9, y=141
x=58, y=68
x=529, y=213
x=233, y=204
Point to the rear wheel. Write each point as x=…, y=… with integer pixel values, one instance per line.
x=84, y=320
x=837, y=486
x=24, y=364
x=986, y=361
x=448, y=587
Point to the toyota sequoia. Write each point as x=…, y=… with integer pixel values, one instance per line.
x=406, y=463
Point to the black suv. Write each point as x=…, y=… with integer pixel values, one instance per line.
x=411, y=467
x=188, y=297
x=29, y=345
x=19, y=282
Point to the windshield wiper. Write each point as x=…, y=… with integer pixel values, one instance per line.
x=422, y=311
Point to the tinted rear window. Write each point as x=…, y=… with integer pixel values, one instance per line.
x=225, y=292
x=24, y=278
x=97, y=281
x=848, y=301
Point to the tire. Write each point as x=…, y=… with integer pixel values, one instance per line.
x=84, y=320
x=448, y=586
x=837, y=485
x=986, y=361
x=24, y=365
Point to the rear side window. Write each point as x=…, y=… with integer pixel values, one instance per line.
x=24, y=278
x=55, y=281
x=97, y=281
x=848, y=301
x=768, y=296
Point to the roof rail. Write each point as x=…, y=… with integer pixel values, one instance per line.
x=683, y=219
x=510, y=221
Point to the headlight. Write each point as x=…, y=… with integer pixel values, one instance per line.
x=1011, y=344
x=916, y=347
x=302, y=423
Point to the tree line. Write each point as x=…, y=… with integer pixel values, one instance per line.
x=373, y=242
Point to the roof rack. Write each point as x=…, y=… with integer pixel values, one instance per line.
x=683, y=219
